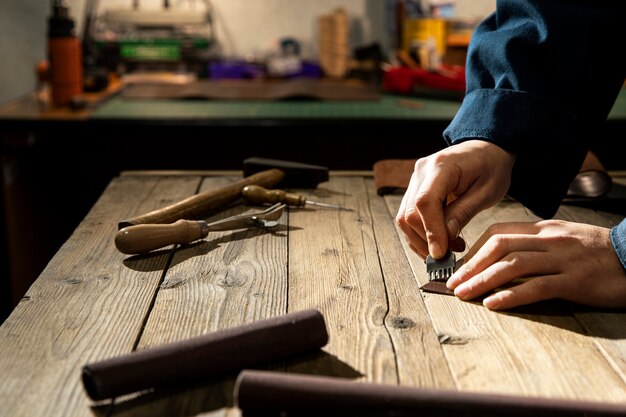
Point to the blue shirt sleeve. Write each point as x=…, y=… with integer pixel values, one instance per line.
x=618, y=238
x=541, y=78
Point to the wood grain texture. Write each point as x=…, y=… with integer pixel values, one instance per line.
x=334, y=267
x=228, y=279
x=91, y=302
x=85, y=306
x=419, y=356
x=539, y=350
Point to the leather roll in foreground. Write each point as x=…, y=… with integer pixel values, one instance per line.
x=210, y=355
x=275, y=394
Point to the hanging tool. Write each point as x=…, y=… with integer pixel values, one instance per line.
x=255, y=194
x=144, y=238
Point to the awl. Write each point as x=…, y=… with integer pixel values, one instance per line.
x=255, y=194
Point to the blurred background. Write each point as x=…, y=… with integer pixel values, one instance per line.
x=92, y=88
x=242, y=28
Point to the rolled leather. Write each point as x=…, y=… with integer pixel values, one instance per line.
x=217, y=353
x=277, y=394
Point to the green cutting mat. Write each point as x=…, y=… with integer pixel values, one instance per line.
x=388, y=107
x=619, y=108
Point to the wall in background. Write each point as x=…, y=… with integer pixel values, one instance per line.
x=247, y=27
x=243, y=27
x=22, y=45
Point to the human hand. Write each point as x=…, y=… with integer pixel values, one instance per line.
x=471, y=176
x=557, y=259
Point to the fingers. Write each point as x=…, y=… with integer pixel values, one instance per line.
x=539, y=261
x=424, y=200
x=531, y=291
x=504, y=254
x=435, y=229
x=501, y=235
x=420, y=248
x=507, y=269
x=409, y=221
x=475, y=172
x=430, y=200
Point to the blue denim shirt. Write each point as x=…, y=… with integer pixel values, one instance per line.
x=542, y=76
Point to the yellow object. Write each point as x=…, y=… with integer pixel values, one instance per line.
x=422, y=30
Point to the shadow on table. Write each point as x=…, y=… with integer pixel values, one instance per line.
x=590, y=321
x=154, y=261
x=215, y=394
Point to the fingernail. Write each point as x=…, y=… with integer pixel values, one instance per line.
x=492, y=302
x=452, y=282
x=462, y=290
x=454, y=228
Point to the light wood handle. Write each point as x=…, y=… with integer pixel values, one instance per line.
x=144, y=238
x=255, y=194
x=200, y=205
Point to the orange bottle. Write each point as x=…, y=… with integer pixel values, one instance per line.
x=64, y=54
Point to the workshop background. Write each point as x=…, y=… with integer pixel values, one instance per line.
x=202, y=85
x=242, y=28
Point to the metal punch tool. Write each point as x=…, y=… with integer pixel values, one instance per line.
x=441, y=270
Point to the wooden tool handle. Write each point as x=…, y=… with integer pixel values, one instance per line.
x=144, y=238
x=255, y=194
x=200, y=205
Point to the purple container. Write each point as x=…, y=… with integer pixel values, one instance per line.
x=234, y=70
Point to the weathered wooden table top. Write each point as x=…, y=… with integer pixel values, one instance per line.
x=92, y=302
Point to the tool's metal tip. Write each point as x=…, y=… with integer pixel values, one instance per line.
x=329, y=206
x=266, y=224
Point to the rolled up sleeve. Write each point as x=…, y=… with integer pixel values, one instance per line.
x=618, y=238
x=540, y=81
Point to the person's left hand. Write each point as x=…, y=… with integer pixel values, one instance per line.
x=552, y=259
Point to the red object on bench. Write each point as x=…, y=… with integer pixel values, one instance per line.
x=406, y=80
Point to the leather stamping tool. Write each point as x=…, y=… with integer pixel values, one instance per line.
x=439, y=271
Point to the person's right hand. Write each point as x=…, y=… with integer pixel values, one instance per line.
x=471, y=176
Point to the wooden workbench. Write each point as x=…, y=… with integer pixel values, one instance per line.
x=91, y=302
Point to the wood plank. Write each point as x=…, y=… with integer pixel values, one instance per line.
x=419, y=356
x=606, y=327
x=539, y=350
x=228, y=279
x=334, y=267
x=89, y=303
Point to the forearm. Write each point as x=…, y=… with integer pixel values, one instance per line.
x=538, y=88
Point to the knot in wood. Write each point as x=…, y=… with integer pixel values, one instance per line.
x=402, y=322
